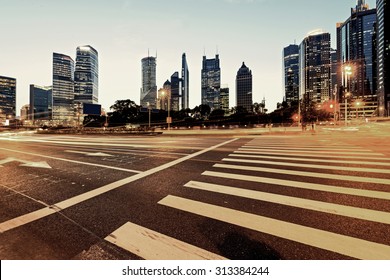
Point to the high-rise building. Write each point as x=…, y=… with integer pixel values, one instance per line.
x=356, y=47
x=333, y=75
x=164, y=96
x=211, y=82
x=63, y=89
x=175, y=92
x=291, y=74
x=25, y=113
x=7, y=99
x=383, y=44
x=86, y=75
x=149, y=86
x=244, y=88
x=185, y=83
x=315, y=67
x=41, y=100
x=225, y=98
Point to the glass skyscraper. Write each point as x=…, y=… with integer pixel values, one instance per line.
x=244, y=88
x=7, y=99
x=225, y=98
x=41, y=100
x=86, y=75
x=315, y=67
x=356, y=48
x=175, y=92
x=383, y=44
x=63, y=89
x=149, y=86
x=211, y=82
x=185, y=83
x=291, y=73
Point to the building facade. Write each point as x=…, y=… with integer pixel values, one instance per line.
x=225, y=99
x=291, y=74
x=315, y=67
x=185, y=83
x=63, y=89
x=149, y=86
x=86, y=75
x=383, y=45
x=175, y=92
x=41, y=101
x=244, y=88
x=164, y=96
x=356, y=47
x=7, y=99
x=211, y=82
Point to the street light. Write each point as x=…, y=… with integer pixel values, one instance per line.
x=348, y=72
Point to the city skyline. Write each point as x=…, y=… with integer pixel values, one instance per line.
x=252, y=31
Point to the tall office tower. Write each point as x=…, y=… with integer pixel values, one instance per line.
x=383, y=44
x=86, y=75
x=315, y=67
x=211, y=82
x=41, y=100
x=7, y=99
x=333, y=74
x=149, y=86
x=244, y=88
x=164, y=95
x=175, y=92
x=291, y=74
x=225, y=98
x=63, y=89
x=185, y=83
x=356, y=51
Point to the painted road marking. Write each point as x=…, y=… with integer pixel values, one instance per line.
x=288, y=147
x=313, y=152
x=314, y=166
x=336, y=209
x=301, y=185
x=308, y=155
x=26, y=163
x=369, y=180
x=237, y=154
x=22, y=220
x=342, y=244
x=151, y=245
x=95, y=154
x=75, y=161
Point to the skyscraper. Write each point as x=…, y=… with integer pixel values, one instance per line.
x=225, y=98
x=244, y=88
x=86, y=75
x=383, y=43
x=291, y=73
x=185, y=83
x=63, y=89
x=164, y=95
x=7, y=99
x=211, y=82
x=41, y=100
x=149, y=86
x=315, y=67
x=356, y=49
x=175, y=92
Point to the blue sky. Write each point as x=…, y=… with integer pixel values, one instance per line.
x=254, y=31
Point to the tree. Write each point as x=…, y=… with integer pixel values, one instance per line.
x=124, y=111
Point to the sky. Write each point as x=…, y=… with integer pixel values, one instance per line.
x=124, y=31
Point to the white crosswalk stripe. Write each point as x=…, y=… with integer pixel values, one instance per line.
x=280, y=157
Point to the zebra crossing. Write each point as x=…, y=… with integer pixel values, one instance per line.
x=260, y=162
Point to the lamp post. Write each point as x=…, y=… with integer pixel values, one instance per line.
x=348, y=72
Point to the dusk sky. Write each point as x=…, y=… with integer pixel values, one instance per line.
x=253, y=31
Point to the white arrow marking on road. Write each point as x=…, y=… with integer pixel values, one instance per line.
x=89, y=154
x=40, y=164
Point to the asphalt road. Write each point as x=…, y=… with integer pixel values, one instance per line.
x=322, y=195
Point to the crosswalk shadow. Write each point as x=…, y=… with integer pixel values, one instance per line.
x=236, y=246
